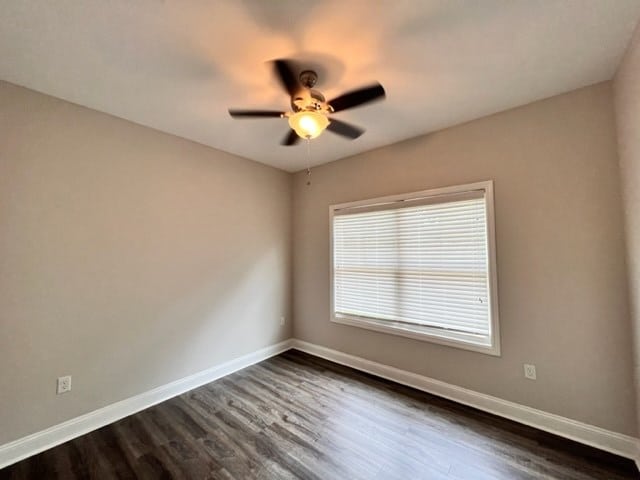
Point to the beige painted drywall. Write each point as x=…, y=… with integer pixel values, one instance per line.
x=562, y=286
x=626, y=87
x=129, y=258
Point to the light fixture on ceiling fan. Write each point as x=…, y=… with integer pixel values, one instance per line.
x=308, y=124
x=311, y=114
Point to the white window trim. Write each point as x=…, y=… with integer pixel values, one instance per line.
x=428, y=334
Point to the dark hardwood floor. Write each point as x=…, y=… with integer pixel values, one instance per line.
x=297, y=416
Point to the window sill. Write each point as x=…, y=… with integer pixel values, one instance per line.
x=417, y=332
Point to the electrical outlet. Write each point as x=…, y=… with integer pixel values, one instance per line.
x=282, y=320
x=64, y=384
x=530, y=371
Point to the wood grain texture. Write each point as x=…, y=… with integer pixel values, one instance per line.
x=298, y=416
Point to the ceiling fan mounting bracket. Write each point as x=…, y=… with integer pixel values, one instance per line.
x=308, y=78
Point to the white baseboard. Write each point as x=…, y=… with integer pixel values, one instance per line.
x=623, y=445
x=37, y=442
x=607, y=440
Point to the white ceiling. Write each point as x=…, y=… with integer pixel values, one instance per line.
x=177, y=65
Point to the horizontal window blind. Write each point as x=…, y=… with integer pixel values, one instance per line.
x=421, y=262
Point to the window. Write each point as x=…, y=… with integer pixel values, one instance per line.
x=420, y=265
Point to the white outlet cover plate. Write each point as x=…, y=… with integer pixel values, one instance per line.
x=64, y=384
x=530, y=371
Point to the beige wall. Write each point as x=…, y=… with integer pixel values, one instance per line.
x=562, y=288
x=627, y=102
x=128, y=258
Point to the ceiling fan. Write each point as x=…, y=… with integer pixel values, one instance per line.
x=311, y=114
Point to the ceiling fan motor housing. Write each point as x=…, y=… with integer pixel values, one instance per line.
x=310, y=99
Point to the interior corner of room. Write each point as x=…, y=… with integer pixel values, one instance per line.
x=145, y=261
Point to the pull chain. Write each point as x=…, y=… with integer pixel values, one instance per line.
x=308, y=162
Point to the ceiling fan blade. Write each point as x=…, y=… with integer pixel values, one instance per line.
x=254, y=113
x=291, y=139
x=357, y=97
x=344, y=129
x=284, y=71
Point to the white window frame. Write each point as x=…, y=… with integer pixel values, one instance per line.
x=425, y=333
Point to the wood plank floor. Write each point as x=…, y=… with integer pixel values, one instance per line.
x=297, y=416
